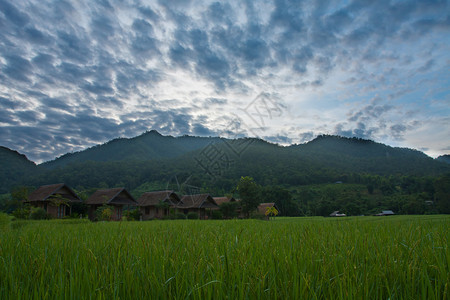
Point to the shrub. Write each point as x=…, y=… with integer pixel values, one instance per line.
x=192, y=215
x=104, y=213
x=38, y=213
x=133, y=215
x=216, y=215
x=22, y=212
x=180, y=216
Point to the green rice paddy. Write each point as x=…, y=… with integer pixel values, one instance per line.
x=401, y=257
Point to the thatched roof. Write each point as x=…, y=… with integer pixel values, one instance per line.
x=45, y=192
x=119, y=196
x=262, y=208
x=197, y=201
x=220, y=200
x=155, y=198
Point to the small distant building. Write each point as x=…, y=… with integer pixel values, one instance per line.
x=116, y=197
x=157, y=204
x=55, y=199
x=263, y=207
x=220, y=200
x=199, y=203
x=386, y=213
x=337, y=214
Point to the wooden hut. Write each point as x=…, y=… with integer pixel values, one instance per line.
x=157, y=204
x=220, y=200
x=116, y=197
x=55, y=199
x=198, y=203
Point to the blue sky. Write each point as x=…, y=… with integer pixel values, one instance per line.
x=78, y=73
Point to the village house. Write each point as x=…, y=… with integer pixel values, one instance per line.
x=220, y=200
x=55, y=199
x=199, y=204
x=117, y=198
x=157, y=204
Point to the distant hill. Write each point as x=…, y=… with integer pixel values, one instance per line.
x=13, y=168
x=216, y=163
x=444, y=158
x=148, y=146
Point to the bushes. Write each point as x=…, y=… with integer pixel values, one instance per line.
x=133, y=215
x=192, y=216
x=104, y=213
x=22, y=212
x=38, y=213
x=216, y=215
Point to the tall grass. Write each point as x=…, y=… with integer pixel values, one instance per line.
x=298, y=258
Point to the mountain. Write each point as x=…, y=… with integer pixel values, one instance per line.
x=14, y=167
x=217, y=163
x=444, y=158
x=148, y=146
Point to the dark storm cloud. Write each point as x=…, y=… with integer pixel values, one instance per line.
x=15, y=16
x=36, y=36
x=8, y=104
x=17, y=67
x=102, y=28
x=73, y=47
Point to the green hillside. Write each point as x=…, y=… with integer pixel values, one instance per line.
x=148, y=146
x=14, y=167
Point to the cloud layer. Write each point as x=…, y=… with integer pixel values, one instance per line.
x=77, y=73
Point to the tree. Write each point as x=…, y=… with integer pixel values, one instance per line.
x=271, y=211
x=249, y=192
x=229, y=209
x=442, y=194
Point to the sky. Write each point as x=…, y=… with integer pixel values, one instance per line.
x=74, y=74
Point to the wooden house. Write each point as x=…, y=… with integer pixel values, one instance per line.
x=199, y=204
x=220, y=200
x=116, y=197
x=157, y=204
x=263, y=208
x=55, y=199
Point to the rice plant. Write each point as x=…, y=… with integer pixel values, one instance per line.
x=400, y=257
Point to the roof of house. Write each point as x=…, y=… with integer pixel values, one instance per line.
x=220, y=200
x=262, y=208
x=111, y=196
x=387, y=212
x=155, y=198
x=46, y=191
x=197, y=201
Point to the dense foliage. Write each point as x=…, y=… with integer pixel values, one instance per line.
x=301, y=179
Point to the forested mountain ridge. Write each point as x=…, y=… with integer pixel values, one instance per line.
x=13, y=168
x=148, y=146
x=444, y=158
x=217, y=163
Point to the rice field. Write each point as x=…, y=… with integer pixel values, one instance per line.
x=401, y=257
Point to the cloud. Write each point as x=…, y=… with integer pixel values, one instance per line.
x=83, y=72
x=17, y=68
